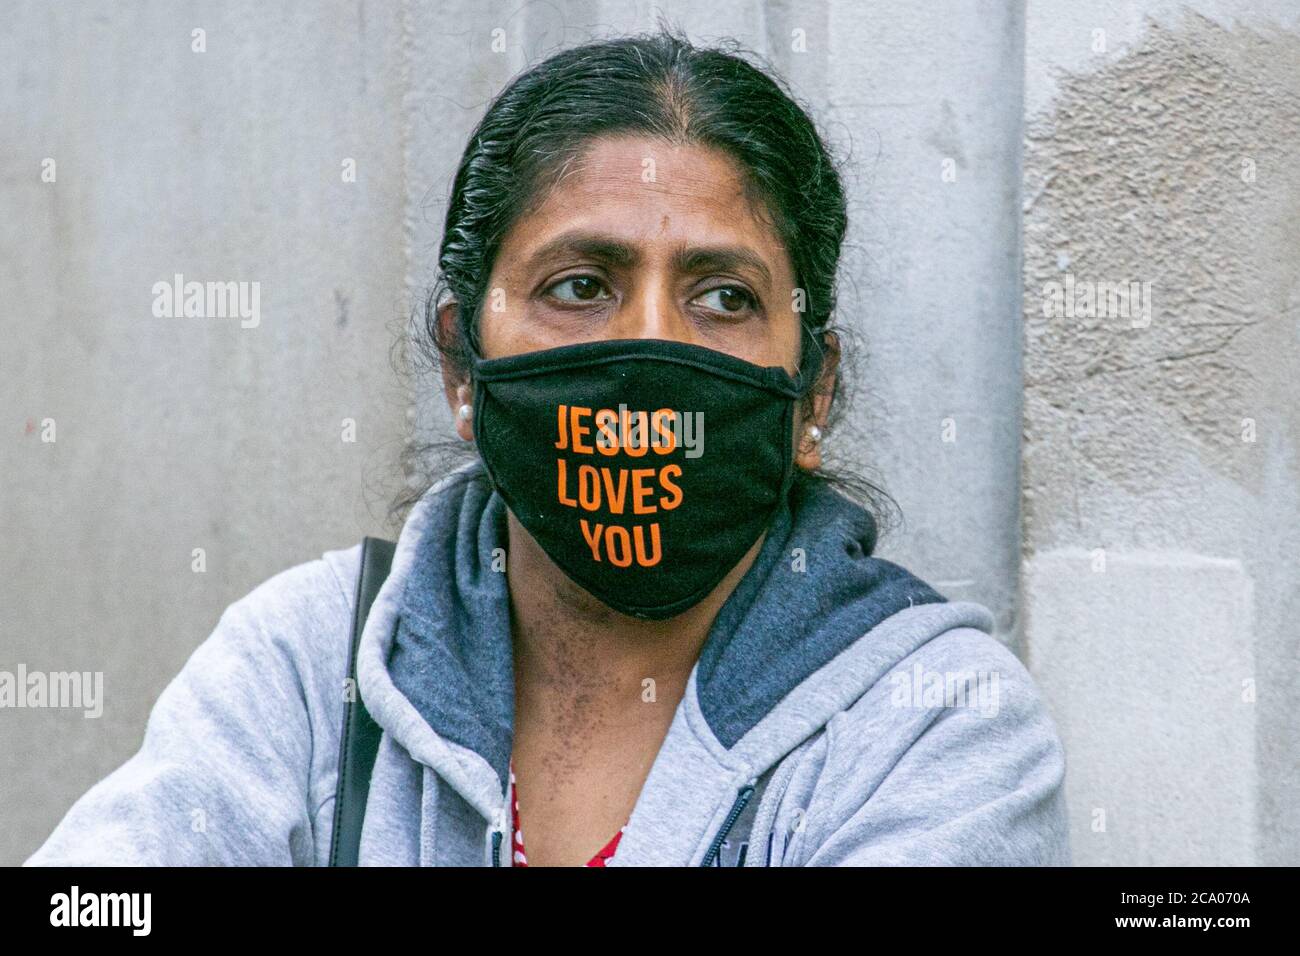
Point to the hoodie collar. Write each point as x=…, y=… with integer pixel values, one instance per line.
x=813, y=590
x=436, y=660
x=433, y=662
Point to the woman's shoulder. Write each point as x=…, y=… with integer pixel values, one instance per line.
x=305, y=601
x=965, y=675
x=299, y=618
x=951, y=757
x=247, y=732
x=965, y=694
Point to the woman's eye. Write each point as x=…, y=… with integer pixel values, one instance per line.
x=578, y=289
x=727, y=298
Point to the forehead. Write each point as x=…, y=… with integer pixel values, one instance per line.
x=648, y=191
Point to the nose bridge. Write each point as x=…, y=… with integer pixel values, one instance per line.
x=651, y=310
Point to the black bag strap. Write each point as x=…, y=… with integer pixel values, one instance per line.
x=360, y=735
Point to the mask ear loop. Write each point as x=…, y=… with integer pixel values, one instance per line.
x=811, y=359
x=811, y=365
x=810, y=362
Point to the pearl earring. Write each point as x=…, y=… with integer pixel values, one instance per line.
x=466, y=412
x=814, y=434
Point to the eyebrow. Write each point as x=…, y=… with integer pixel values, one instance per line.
x=689, y=259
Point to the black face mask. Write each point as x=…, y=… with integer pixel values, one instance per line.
x=645, y=468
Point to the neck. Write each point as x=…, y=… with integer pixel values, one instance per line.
x=567, y=643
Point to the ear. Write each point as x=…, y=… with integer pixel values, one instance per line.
x=454, y=384
x=809, y=456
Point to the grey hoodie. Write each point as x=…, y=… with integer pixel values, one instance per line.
x=841, y=712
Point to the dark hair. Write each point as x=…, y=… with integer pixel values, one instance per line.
x=657, y=85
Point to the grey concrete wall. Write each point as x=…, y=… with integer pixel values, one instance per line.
x=175, y=434
x=1162, y=488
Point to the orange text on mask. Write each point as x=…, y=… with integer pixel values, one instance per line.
x=618, y=490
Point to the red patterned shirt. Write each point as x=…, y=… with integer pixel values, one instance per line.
x=520, y=858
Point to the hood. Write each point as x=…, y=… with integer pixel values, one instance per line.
x=797, y=641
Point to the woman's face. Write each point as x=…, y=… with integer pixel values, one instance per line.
x=644, y=239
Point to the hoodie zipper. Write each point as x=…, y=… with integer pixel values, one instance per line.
x=499, y=829
x=737, y=808
x=733, y=815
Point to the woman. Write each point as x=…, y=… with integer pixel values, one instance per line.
x=642, y=619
